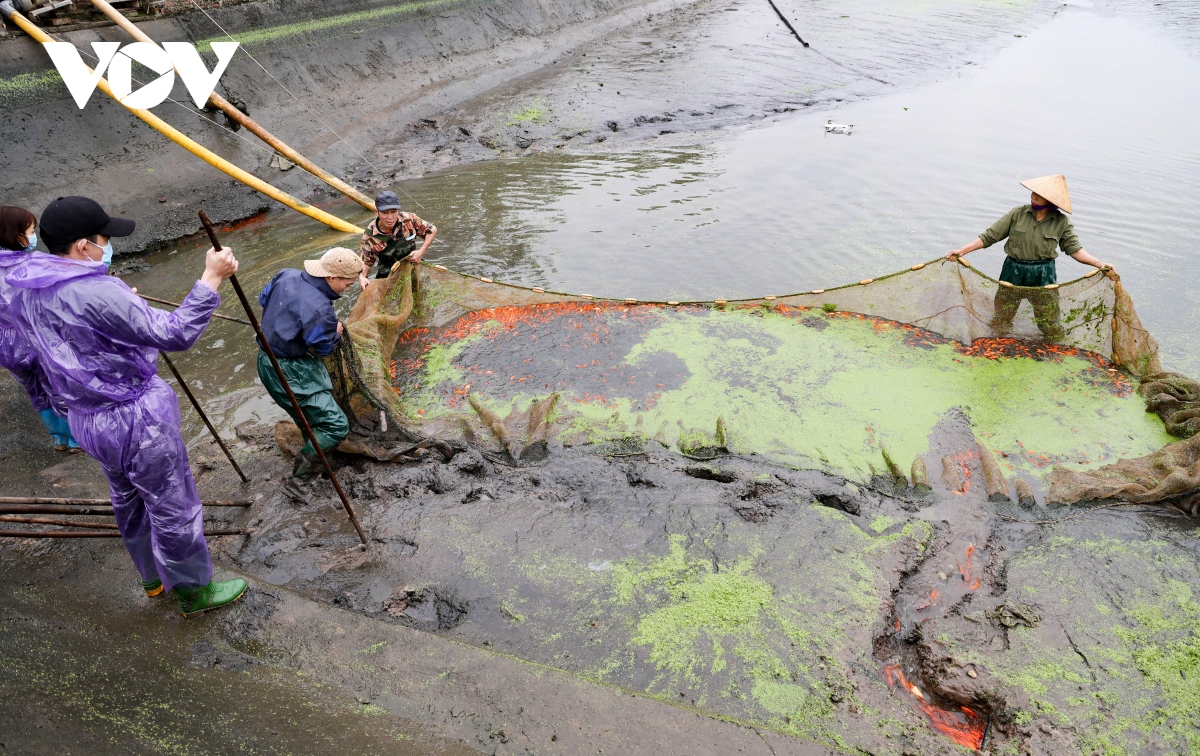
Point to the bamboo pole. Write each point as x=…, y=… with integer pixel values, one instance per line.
x=266, y=346
x=52, y=521
x=204, y=417
x=176, y=304
x=186, y=142
x=220, y=102
x=5, y=500
x=100, y=533
x=27, y=509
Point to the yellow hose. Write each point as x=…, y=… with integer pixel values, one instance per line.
x=188, y=144
x=275, y=142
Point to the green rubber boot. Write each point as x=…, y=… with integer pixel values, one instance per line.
x=210, y=596
x=153, y=587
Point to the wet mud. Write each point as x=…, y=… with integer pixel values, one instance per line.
x=872, y=618
x=838, y=610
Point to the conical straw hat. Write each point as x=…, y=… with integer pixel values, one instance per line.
x=1053, y=188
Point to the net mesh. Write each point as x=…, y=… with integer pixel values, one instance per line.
x=387, y=385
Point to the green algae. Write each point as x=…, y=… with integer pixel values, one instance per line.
x=782, y=655
x=882, y=523
x=531, y=113
x=30, y=87
x=1126, y=676
x=327, y=25
x=834, y=397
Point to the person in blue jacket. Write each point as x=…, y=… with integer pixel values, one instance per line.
x=301, y=326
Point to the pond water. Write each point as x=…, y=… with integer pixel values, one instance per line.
x=1106, y=95
x=1111, y=101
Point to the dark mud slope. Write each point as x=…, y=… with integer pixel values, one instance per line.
x=361, y=70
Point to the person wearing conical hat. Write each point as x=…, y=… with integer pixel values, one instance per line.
x=1035, y=232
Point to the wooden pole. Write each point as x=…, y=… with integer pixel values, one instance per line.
x=100, y=502
x=266, y=347
x=25, y=509
x=176, y=304
x=196, y=405
x=100, y=533
x=191, y=145
x=52, y=521
x=236, y=115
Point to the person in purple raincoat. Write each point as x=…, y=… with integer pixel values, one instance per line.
x=98, y=345
x=17, y=240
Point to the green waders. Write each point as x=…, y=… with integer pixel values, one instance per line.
x=310, y=383
x=1027, y=279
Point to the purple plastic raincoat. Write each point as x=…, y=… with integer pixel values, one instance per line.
x=98, y=345
x=16, y=354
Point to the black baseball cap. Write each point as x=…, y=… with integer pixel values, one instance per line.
x=386, y=200
x=69, y=218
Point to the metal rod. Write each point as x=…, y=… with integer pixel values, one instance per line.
x=220, y=102
x=102, y=502
x=176, y=304
x=196, y=405
x=49, y=509
x=100, y=533
x=266, y=346
x=52, y=521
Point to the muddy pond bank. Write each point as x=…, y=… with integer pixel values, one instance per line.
x=781, y=599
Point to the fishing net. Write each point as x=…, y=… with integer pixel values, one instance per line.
x=852, y=379
x=359, y=368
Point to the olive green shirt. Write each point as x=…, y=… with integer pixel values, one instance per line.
x=1030, y=240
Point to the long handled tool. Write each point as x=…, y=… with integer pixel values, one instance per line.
x=48, y=501
x=299, y=411
x=10, y=13
x=204, y=417
x=177, y=304
x=236, y=115
x=100, y=533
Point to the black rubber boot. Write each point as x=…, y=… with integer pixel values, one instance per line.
x=307, y=465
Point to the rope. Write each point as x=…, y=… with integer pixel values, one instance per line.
x=713, y=302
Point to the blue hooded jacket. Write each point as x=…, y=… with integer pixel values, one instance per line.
x=298, y=314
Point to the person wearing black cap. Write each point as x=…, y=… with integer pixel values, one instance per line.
x=98, y=345
x=392, y=237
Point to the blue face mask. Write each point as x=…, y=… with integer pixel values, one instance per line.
x=31, y=242
x=107, y=249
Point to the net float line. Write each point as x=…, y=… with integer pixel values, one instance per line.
x=1109, y=272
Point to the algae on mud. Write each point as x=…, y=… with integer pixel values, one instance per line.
x=810, y=389
x=1115, y=666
